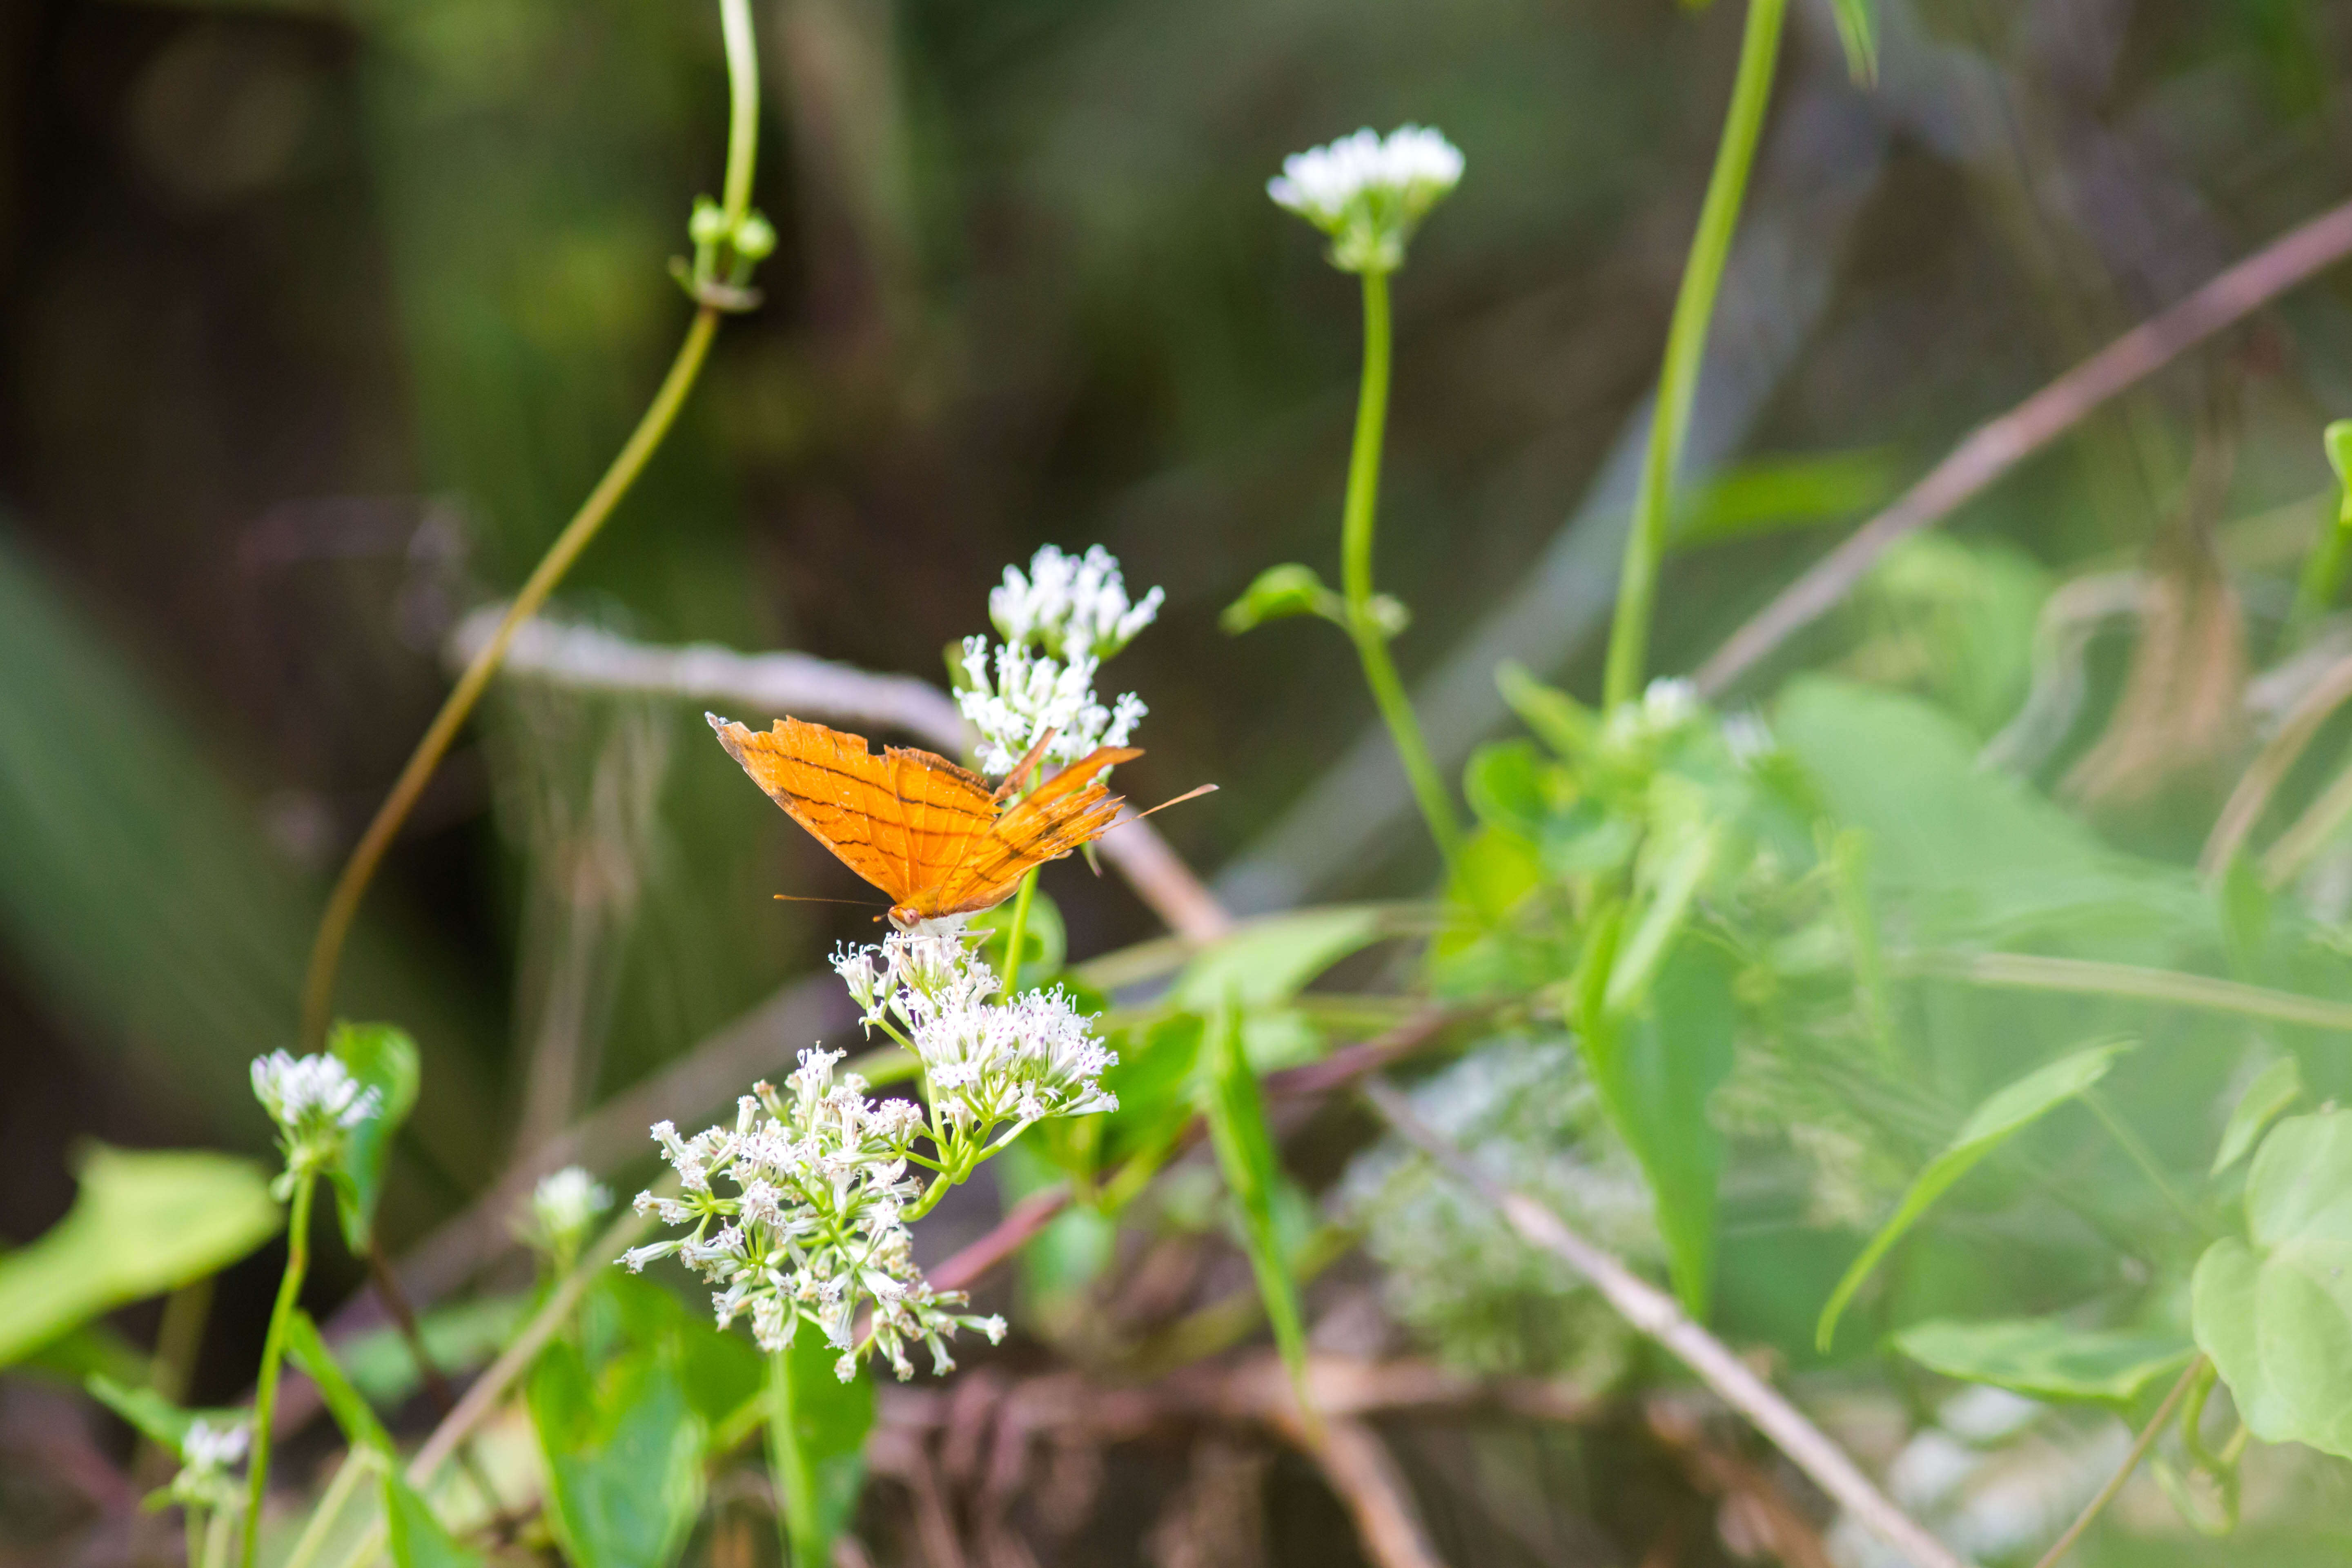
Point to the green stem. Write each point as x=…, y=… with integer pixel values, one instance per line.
x=273, y=1351
x=1356, y=520
x=1645, y=544
x=217, y=1539
x=2147, y=1437
x=351, y=887
x=1019, y=932
x=799, y=1529
x=192, y=1520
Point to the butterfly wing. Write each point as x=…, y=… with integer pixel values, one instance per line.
x=900, y=820
x=1069, y=809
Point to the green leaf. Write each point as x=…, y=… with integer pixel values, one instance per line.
x=382, y=1057
x=93, y=1350
x=308, y=1351
x=1671, y=870
x=2338, y=439
x=1269, y=961
x=623, y=1454
x=417, y=1539
x=1857, y=29
x=1236, y=1118
x=2047, y=1358
x=1279, y=592
x=2275, y=1310
x=1560, y=721
x=1503, y=782
x=155, y=1416
x=1776, y=493
x=142, y=1224
x=2275, y=1088
x=1657, y=1066
x=1999, y=1118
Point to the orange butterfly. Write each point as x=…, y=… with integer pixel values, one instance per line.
x=931, y=834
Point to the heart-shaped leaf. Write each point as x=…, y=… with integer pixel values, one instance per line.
x=2275, y=1310
x=624, y=1452
x=2046, y=1358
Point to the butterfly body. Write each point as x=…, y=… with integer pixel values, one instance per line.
x=931, y=834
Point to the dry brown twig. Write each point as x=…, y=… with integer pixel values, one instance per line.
x=1655, y=1313
x=1995, y=447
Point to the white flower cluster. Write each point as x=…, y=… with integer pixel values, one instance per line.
x=987, y=1063
x=564, y=1205
x=207, y=1455
x=1059, y=623
x=814, y=1226
x=1368, y=193
x=314, y=1100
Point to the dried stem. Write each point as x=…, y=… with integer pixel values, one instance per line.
x=1998, y=446
x=1655, y=1313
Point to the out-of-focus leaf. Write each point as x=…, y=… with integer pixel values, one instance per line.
x=2275, y=1088
x=1999, y=1118
x=1236, y=1118
x=155, y=1416
x=1657, y=1066
x=1279, y=592
x=2046, y=1358
x=830, y=1419
x=458, y=1337
x=308, y=1351
x=2275, y=1310
x=624, y=1452
x=142, y=1224
x=2337, y=440
x=1560, y=721
x=1493, y=873
x=415, y=1538
x=1269, y=961
x=90, y=1351
x=1670, y=873
x=382, y=1057
x=1857, y=29
x=1778, y=493
x=1969, y=853
x=1503, y=782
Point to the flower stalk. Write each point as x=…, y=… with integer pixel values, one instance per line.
x=799, y=1531
x=1726, y=189
x=273, y=1355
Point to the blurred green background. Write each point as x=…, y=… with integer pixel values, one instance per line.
x=319, y=318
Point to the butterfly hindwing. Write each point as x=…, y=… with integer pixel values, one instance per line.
x=1069, y=809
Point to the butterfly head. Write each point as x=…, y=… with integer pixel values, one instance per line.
x=905, y=917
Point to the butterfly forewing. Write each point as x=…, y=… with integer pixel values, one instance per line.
x=1063, y=813
x=899, y=820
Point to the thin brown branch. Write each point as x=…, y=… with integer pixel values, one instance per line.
x=586, y=657
x=1656, y=1315
x=1357, y=1466
x=1996, y=448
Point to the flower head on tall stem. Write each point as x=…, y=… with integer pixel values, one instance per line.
x=208, y=1456
x=1368, y=193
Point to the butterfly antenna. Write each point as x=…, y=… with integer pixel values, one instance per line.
x=854, y=903
x=1193, y=793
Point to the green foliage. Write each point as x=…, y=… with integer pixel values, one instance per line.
x=155, y=1417
x=2047, y=1358
x=382, y=1057
x=623, y=1447
x=1991, y=1125
x=1281, y=592
x=829, y=1420
x=1857, y=29
x=2276, y=1088
x=1773, y=494
x=1268, y=962
x=2274, y=1310
x=142, y=1224
x=460, y=1337
x=1245, y=1153
x=307, y=1350
x=417, y=1539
